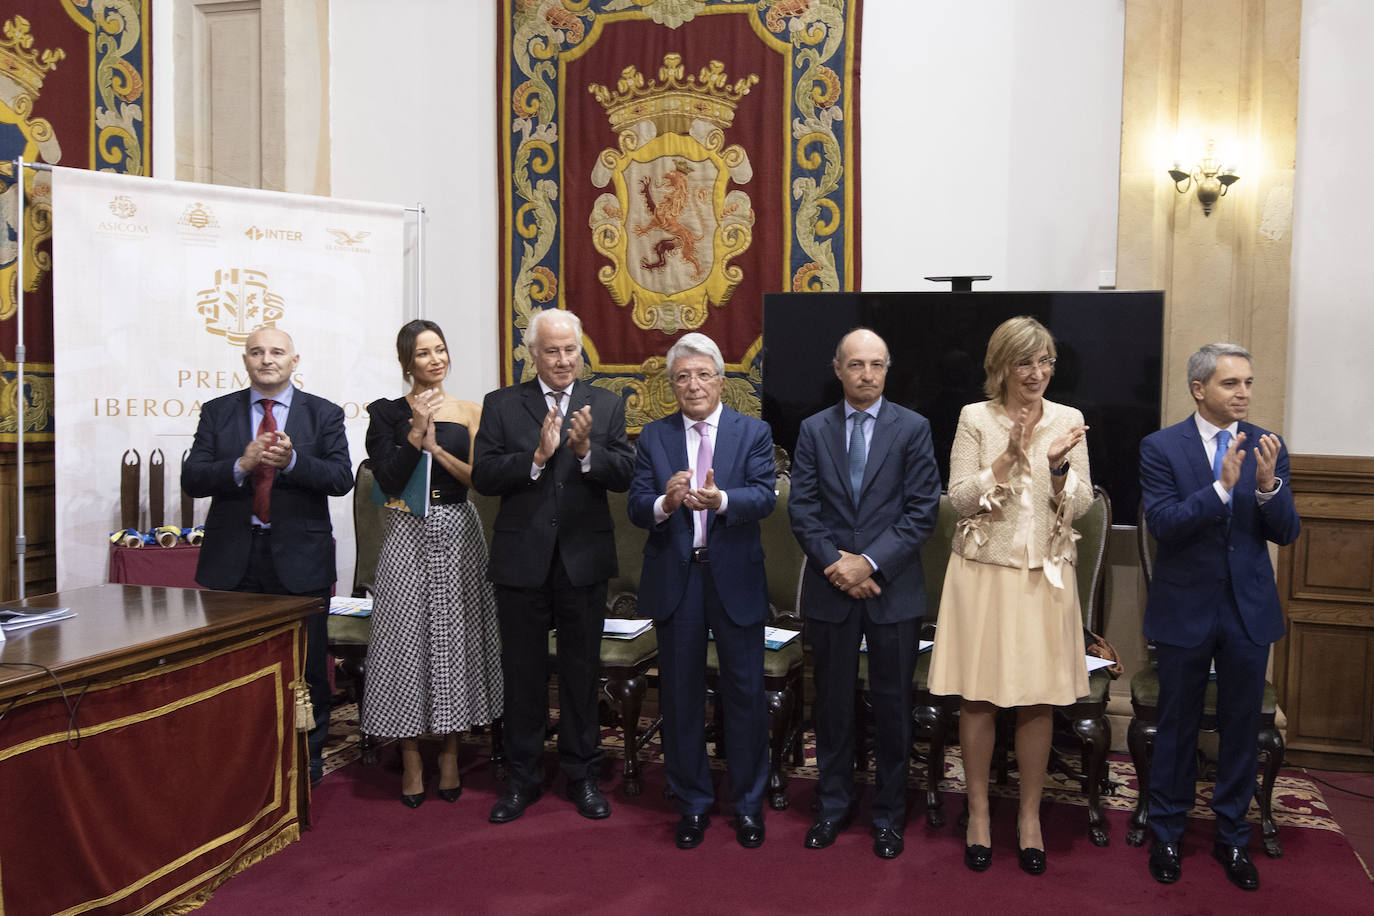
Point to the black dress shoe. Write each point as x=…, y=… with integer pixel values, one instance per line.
x=513, y=804
x=413, y=801
x=978, y=858
x=451, y=795
x=887, y=842
x=1031, y=860
x=1165, y=865
x=691, y=830
x=589, y=800
x=749, y=830
x=824, y=831
x=1239, y=869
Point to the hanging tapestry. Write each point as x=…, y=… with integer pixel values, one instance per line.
x=74, y=78
x=664, y=163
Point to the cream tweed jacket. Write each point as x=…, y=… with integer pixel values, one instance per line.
x=1019, y=522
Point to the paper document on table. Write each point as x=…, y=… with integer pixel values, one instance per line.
x=350, y=607
x=625, y=627
x=15, y=618
x=777, y=637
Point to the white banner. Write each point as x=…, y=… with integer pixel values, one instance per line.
x=156, y=286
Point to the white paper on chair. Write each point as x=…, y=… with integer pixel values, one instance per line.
x=922, y=645
x=1094, y=663
x=625, y=627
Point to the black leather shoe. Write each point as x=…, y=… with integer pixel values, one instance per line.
x=513, y=804
x=1165, y=864
x=691, y=830
x=451, y=795
x=887, y=842
x=589, y=800
x=413, y=801
x=1239, y=869
x=749, y=830
x=978, y=858
x=1032, y=861
x=824, y=831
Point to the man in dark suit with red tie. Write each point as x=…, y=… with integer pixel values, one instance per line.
x=269, y=457
x=865, y=497
x=703, y=479
x=1216, y=492
x=551, y=448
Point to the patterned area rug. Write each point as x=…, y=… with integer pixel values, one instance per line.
x=1298, y=802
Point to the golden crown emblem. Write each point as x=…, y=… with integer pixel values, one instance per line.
x=22, y=65
x=672, y=103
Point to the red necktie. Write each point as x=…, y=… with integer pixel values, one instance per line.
x=263, y=473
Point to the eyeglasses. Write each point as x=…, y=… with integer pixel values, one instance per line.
x=683, y=379
x=1045, y=364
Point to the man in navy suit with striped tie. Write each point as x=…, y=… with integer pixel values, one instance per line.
x=1216, y=492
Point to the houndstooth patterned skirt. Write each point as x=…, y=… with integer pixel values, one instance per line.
x=434, y=659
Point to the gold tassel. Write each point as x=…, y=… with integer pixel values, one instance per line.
x=305, y=710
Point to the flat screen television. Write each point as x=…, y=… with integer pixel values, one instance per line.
x=1110, y=346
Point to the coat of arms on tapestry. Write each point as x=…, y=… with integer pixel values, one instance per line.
x=665, y=163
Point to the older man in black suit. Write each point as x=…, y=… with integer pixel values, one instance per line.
x=551, y=448
x=865, y=496
x=269, y=457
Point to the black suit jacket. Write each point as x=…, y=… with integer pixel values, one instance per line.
x=564, y=508
x=302, y=537
x=896, y=511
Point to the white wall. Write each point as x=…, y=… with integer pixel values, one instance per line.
x=991, y=137
x=1331, y=386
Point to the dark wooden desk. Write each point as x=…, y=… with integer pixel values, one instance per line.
x=156, y=755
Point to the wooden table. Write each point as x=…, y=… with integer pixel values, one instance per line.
x=148, y=749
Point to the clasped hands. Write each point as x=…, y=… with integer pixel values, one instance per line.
x=551, y=434
x=680, y=492
x=270, y=448
x=1266, y=456
x=853, y=575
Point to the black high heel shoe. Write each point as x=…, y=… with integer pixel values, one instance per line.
x=414, y=801
x=1032, y=861
x=976, y=858
x=451, y=795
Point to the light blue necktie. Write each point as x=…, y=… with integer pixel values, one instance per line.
x=858, y=453
x=1223, y=440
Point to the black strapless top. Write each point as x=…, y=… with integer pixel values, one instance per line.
x=394, y=458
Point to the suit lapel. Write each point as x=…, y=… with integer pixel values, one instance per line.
x=675, y=441
x=884, y=431
x=1195, y=454
x=726, y=447
x=839, y=451
x=533, y=396
x=243, y=419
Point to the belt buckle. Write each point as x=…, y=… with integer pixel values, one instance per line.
x=700, y=555
x=435, y=494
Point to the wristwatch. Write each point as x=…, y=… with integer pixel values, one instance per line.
x=1061, y=470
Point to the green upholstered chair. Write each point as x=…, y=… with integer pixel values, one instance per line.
x=625, y=663
x=348, y=636
x=782, y=667
x=1087, y=716
x=931, y=715
x=1145, y=722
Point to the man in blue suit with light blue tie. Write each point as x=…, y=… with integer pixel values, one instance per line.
x=1216, y=492
x=703, y=479
x=865, y=497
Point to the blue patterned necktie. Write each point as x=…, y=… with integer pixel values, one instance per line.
x=858, y=453
x=1223, y=440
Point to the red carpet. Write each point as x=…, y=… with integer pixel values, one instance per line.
x=368, y=852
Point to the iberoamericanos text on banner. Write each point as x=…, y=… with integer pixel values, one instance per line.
x=157, y=285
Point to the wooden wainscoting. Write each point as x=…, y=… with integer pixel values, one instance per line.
x=1324, y=669
x=40, y=514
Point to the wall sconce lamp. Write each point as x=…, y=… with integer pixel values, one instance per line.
x=1210, y=175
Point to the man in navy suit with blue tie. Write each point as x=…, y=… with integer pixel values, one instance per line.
x=703, y=479
x=865, y=497
x=269, y=457
x=1216, y=492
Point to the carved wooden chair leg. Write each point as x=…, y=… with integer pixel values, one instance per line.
x=1271, y=754
x=498, y=750
x=628, y=695
x=779, y=724
x=935, y=768
x=1096, y=735
x=1140, y=738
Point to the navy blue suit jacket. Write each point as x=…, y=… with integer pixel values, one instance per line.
x=1202, y=546
x=743, y=464
x=302, y=536
x=896, y=511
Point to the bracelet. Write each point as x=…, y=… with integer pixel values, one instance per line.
x=1061, y=470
